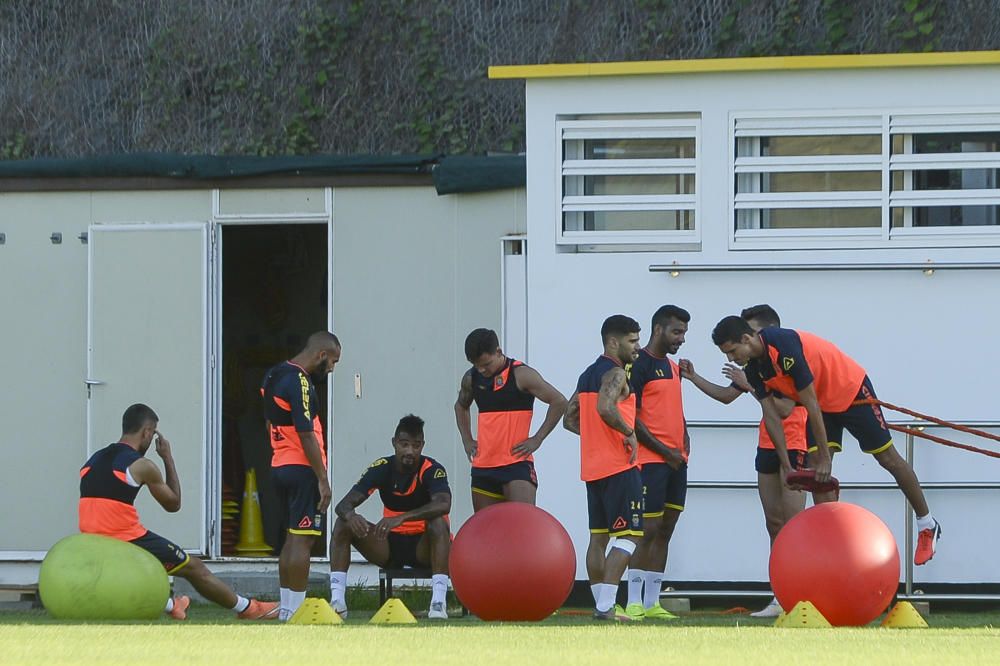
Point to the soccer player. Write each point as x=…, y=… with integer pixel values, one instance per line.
x=298, y=461
x=109, y=483
x=504, y=391
x=602, y=412
x=663, y=454
x=779, y=502
x=827, y=382
x=414, y=529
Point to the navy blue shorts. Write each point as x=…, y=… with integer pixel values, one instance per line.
x=166, y=551
x=298, y=491
x=663, y=487
x=614, y=504
x=865, y=422
x=767, y=460
x=490, y=481
x=403, y=550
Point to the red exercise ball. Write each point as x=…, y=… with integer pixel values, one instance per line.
x=840, y=557
x=512, y=561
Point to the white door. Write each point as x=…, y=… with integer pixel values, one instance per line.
x=148, y=342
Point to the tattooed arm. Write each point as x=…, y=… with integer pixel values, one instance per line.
x=614, y=388
x=571, y=419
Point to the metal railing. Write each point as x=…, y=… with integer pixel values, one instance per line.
x=908, y=593
x=930, y=266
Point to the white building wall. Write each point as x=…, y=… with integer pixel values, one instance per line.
x=413, y=273
x=925, y=340
x=43, y=361
x=44, y=350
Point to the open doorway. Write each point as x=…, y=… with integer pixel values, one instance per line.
x=274, y=295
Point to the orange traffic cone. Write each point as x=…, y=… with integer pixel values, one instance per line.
x=252, y=542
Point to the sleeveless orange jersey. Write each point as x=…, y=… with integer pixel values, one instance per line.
x=602, y=452
x=107, y=499
x=657, y=384
x=504, y=419
x=796, y=359
x=795, y=431
x=291, y=405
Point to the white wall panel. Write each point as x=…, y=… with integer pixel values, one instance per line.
x=414, y=273
x=923, y=339
x=43, y=288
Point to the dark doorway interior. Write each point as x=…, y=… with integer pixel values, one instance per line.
x=274, y=294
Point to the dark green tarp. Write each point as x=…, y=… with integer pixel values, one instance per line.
x=450, y=174
x=479, y=174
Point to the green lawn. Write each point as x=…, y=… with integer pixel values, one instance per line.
x=212, y=636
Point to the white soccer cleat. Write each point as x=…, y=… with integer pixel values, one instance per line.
x=437, y=611
x=773, y=609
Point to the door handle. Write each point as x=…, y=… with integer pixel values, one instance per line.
x=90, y=383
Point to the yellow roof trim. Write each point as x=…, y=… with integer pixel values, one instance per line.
x=762, y=64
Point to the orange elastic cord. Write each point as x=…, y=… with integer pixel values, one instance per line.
x=941, y=422
x=946, y=442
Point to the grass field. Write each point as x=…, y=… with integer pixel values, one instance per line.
x=212, y=636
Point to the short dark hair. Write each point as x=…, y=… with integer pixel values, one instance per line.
x=667, y=312
x=730, y=329
x=481, y=341
x=763, y=313
x=136, y=416
x=411, y=425
x=322, y=339
x=618, y=325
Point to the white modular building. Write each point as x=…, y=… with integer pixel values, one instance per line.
x=857, y=195
x=122, y=286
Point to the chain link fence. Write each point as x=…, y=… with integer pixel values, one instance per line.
x=270, y=77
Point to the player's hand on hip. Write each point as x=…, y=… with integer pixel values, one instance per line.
x=527, y=447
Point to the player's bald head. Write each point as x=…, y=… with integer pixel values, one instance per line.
x=322, y=341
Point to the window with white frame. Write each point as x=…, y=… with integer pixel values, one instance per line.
x=877, y=177
x=944, y=172
x=628, y=180
x=808, y=174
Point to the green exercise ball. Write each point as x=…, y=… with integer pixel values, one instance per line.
x=92, y=577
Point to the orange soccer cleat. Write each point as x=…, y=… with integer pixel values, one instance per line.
x=260, y=610
x=927, y=544
x=179, y=611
